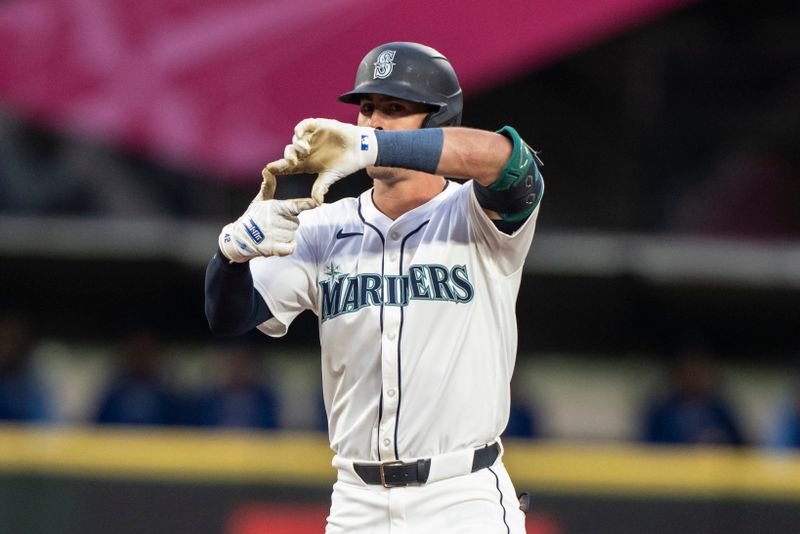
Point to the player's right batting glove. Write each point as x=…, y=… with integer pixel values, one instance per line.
x=266, y=229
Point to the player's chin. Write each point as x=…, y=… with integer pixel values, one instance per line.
x=385, y=174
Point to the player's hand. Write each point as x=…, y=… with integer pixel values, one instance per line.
x=330, y=148
x=266, y=229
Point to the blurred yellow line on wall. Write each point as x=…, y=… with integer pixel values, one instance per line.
x=652, y=471
x=304, y=459
x=174, y=454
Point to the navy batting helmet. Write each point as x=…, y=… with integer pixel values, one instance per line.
x=412, y=72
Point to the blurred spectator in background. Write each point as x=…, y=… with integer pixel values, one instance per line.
x=137, y=396
x=22, y=396
x=521, y=422
x=241, y=401
x=693, y=411
x=522, y=419
x=785, y=430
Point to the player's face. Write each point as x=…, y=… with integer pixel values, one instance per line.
x=388, y=113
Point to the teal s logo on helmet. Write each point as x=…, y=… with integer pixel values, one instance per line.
x=384, y=64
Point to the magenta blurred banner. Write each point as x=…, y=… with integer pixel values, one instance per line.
x=217, y=85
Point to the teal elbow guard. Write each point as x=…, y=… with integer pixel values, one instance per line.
x=518, y=189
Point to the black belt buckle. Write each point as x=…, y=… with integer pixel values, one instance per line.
x=385, y=484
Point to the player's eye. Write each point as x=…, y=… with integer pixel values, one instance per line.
x=367, y=108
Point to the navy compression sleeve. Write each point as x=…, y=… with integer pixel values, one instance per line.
x=233, y=306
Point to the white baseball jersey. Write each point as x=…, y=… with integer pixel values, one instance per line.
x=416, y=320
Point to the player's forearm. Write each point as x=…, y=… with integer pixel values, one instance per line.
x=508, y=184
x=476, y=154
x=233, y=306
x=454, y=152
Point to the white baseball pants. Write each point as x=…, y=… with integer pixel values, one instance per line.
x=483, y=502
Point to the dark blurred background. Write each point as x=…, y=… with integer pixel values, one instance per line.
x=666, y=264
x=673, y=199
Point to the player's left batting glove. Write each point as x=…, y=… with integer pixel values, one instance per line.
x=330, y=148
x=266, y=229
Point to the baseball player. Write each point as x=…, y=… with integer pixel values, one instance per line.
x=414, y=283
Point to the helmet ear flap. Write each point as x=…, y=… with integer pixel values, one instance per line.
x=433, y=119
x=428, y=120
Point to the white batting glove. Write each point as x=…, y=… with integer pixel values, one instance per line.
x=330, y=148
x=266, y=229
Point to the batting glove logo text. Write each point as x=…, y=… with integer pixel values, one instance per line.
x=254, y=232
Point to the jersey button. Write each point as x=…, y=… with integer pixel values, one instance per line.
x=387, y=442
x=391, y=392
x=393, y=257
x=392, y=334
x=395, y=236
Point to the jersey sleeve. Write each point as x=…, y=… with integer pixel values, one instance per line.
x=288, y=283
x=508, y=250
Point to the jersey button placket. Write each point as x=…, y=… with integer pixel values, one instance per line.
x=389, y=380
x=391, y=329
x=392, y=256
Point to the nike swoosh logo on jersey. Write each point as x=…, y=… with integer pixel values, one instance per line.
x=341, y=234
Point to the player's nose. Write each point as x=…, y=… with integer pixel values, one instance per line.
x=376, y=120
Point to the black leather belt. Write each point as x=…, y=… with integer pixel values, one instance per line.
x=398, y=474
